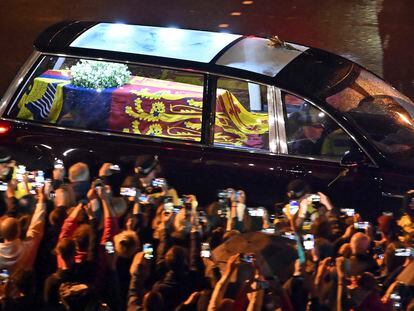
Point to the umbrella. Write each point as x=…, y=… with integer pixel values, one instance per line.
x=407, y=275
x=275, y=255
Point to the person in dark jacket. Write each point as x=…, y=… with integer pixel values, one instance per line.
x=66, y=251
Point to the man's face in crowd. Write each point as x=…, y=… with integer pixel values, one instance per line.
x=312, y=132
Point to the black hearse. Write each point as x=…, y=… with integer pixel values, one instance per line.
x=218, y=109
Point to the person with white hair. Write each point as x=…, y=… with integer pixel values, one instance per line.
x=79, y=180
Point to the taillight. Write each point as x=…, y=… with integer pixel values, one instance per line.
x=5, y=127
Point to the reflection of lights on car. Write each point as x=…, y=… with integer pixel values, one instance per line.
x=118, y=30
x=171, y=32
x=223, y=25
x=321, y=115
x=235, y=13
x=67, y=152
x=247, y=2
x=251, y=164
x=272, y=146
x=404, y=119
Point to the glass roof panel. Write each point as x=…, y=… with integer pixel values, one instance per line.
x=256, y=55
x=193, y=45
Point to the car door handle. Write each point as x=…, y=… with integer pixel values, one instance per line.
x=298, y=170
x=295, y=171
x=392, y=195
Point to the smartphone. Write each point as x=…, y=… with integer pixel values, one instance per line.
x=148, y=251
x=58, y=164
x=143, y=198
x=293, y=207
x=308, y=241
x=3, y=186
x=4, y=275
x=361, y=225
x=158, y=182
x=205, y=250
x=21, y=170
x=115, y=168
x=222, y=211
x=315, y=198
x=289, y=235
x=248, y=258
x=168, y=205
x=237, y=195
x=223, y=195
x=202, y=216
x=98, y=183
x=39, y=178
x=128, y=192
x=350, y=212
x=403, y=252
x=256, y=212
x=109, y=247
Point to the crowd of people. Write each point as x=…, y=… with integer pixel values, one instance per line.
x=81, y=242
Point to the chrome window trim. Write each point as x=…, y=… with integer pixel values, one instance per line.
x=287, y=155
x=373, y=162
x=280, y=123
x=271, y=104
x=244, y=150
x=17, y=81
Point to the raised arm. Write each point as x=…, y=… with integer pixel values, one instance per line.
x=221, y=287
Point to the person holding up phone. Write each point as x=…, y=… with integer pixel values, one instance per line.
x=239, y=217
x=303, y=205
x=17, y=253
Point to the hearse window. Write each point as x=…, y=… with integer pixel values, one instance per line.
x=310, y=132
x=241, y=115
x=114, y=97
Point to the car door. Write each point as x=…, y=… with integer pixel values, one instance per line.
x=264, y=171
x=312, y=147
x=243, y=154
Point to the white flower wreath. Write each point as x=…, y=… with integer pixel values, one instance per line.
x=99, y=75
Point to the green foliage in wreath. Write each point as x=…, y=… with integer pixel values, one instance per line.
x=99, y=75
